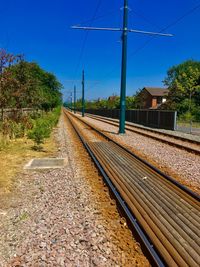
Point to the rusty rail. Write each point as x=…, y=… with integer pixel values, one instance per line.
x=169, y=215
x=188, y=145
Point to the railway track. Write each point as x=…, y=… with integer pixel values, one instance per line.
x=189, y=145
x=165, y=214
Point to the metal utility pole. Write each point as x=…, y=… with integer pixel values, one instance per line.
x=123, y=71
x=124, y=31
x=74, y=99
x=83, y=93
x=71, y=101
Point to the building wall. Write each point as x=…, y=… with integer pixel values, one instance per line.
x=154, y=102
x=148, y=101
x=145, y=100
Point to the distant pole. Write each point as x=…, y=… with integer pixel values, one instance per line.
x=83, y=93
x=123, y=71
x=74, y=99
x=71, y=101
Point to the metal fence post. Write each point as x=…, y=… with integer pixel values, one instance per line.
x=175, y=120
x=158, y=119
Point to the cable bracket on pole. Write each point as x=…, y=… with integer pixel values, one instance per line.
x=119, y=29
x=125, y=30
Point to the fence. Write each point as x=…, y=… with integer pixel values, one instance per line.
x=151, y=118
x=8, y=112
x=192, y=127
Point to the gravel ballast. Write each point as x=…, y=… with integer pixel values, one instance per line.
x=181, y=165
x=65, y=217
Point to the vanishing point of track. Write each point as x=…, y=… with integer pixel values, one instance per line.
x=173, y=140
x=164, y=213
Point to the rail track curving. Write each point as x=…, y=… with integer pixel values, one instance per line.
x=189, y=145
x=165, y=214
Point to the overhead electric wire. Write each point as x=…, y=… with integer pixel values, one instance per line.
x=152, y=37
x=166, y=28
x=145, y=19
x=99, y=17
x=85, y=38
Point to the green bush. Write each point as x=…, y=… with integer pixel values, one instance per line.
x=40, y=131
x=38, y=125
x=187, y=117
x=43, y=126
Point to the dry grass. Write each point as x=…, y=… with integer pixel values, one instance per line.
x=15, y=154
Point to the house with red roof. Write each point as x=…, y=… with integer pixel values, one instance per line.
x=152, y=97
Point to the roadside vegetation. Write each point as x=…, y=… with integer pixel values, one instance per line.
x=30, y=104
x=113, y=102
x=183, y=82
x=14, y=156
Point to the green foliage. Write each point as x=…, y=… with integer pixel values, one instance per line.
x=183, y=81
x=113, y=102
x=23, y=216
x=24, y=84
x=7, y=83
x=131, y=102
x=43, y=126
x=37, y=88
x=40, y=131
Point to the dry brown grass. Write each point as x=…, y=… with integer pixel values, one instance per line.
x=15, y=155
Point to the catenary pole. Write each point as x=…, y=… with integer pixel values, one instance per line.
x=124, y=31
x=123, y=71
x=71, y=100
x=83, y=93
x=74, y=99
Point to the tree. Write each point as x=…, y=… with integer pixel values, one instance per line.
x=183, y=82
x=25, y=84
x=52, y=96
x=7, y=82
x=36, y=87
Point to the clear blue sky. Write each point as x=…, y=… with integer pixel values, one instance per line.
x=41, y=31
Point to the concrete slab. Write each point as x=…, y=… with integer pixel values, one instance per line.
x=46, y=163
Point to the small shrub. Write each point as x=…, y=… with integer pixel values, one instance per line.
x=35, y=115
x=39, y=133
x=187, y=117
x=43, y=126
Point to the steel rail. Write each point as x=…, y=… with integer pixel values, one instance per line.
x=158, y=225
x=167, y=177
x=176, y=235
x=142, y=131
x=154, y=254
x=147, y=129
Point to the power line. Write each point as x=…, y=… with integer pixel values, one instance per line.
x=85, y=38
x=182, y=17
x=151, y=38
x=146, y=43
x=166, y=28
x=145, y=19
x=99, y=17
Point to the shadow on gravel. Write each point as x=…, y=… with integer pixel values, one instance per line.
x=110, y=132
